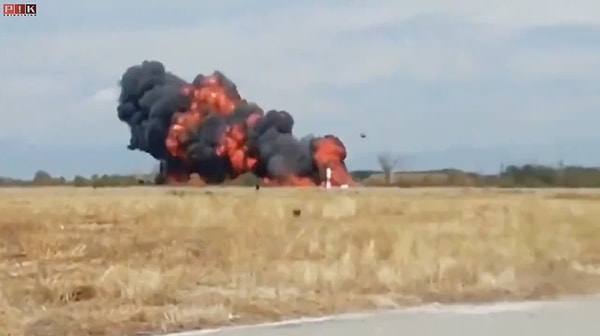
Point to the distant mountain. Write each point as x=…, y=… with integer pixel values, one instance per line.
x=21, y=160
x=490, y=159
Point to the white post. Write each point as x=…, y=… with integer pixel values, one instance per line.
x=328, y=176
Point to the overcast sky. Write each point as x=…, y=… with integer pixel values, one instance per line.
x=413, y=75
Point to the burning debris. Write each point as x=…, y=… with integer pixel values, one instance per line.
x=206, y=127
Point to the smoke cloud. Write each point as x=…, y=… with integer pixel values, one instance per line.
x=206, y=127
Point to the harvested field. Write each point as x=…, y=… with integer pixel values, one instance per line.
x=124, y=261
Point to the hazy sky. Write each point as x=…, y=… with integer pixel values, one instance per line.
x=413, y=75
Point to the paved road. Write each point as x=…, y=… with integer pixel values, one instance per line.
x=560, y=318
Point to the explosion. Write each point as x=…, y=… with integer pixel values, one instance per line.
x=206, y=127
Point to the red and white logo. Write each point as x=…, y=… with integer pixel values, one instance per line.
x=14, y=9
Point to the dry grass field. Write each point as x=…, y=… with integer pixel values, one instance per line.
x=124, y=261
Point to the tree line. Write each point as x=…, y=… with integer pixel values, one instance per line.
x=513, y=176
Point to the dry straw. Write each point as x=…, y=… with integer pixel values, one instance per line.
x=113, y=261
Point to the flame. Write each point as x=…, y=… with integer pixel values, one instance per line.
x=329, y=152
x=177, y=178
x=299, y=181
x=211, y=95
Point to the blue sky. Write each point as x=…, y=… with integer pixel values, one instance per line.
x=413, y=75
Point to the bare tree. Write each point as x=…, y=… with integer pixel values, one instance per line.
x=388, y=162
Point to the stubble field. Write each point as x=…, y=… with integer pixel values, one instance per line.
x=125, y=261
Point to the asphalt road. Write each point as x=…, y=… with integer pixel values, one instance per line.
x=556, y=318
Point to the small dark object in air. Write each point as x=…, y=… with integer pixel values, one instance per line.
x=363, y=135
x=296, y=212
x=257, y=187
